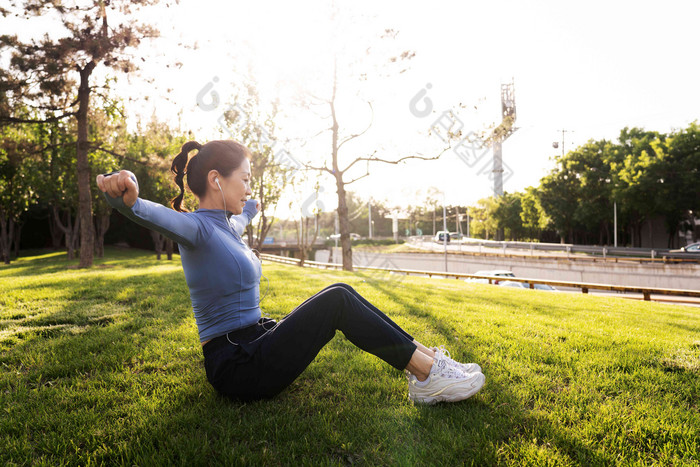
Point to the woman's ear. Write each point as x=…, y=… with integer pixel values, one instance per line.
x=213, y=178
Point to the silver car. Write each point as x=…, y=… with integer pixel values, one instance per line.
x=491, y=273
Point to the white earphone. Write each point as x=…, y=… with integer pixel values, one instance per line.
x=217, y=182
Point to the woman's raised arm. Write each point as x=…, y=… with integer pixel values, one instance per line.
x=240, y=221
x=121, y=192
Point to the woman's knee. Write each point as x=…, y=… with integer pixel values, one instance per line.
x=343, y=285
x=336, y=292
x=329, y=301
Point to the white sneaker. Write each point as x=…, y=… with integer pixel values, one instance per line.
x=442, y=352
x=444, y=384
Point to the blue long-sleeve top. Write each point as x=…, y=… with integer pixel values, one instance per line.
x=222, y=272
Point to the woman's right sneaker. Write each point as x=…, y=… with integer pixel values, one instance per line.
x=444, y=384
x=442, y=352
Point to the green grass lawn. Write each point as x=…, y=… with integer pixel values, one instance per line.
x=103, y=366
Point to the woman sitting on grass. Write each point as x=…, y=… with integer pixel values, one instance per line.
x=246, y=356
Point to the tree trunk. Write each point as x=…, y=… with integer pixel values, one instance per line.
x=606, y=226
x=263, y=226
x=18, y=236
x=87, y=236
x=316, y=229
x=169, y=247
x=158, y=242
x=54, y=223
x=6, y=228
x=345, y=242
x=101, y=226
x=301, y=242
x=69, y=239
x=638, y=230
x=76, y=234
x=66, y=228
x=55, y=230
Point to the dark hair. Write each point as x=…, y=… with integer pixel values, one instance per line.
x=224, y=156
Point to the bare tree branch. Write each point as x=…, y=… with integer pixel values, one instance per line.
x=358, y=160
x=358, y=178
x=322, y=100
x=376, y=159
x=320, y=169
x=8, y=119
x=306, y=141
x=122, y=156
x=351, y=137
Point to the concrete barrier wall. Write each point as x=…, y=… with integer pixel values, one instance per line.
x=667, y=276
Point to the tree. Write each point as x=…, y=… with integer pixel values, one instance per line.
x=533, y=216
x=591, y=164
x=58, y=187
x=48, y=69
x=339, y=172
x=507, y=213
x=679, y=168
x=251, y=126
x=17, y=172
x=151, y=149
x=483, y=221
x=636, y=179
x=559, y=198
x=106, y=124
x=307, y=225
x=433, y=200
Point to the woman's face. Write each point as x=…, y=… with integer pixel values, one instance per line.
x=236, y=188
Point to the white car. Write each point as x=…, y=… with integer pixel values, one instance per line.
x=526, y=285
x=692, y=248
x=492, y=273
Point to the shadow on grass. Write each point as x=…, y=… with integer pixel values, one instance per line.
x=92, y=345
x=103, y=316
x=45, y=261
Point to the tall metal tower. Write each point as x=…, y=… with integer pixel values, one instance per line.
x=501, y=133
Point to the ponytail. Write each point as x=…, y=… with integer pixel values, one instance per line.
x=178, y=168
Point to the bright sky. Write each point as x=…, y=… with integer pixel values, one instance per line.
x=589, y=68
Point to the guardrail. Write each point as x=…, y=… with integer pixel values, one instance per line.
x=573, y=252
x=646, y=292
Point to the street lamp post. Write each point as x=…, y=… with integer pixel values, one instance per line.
x=444, y=228
x=615, y=222
x=607, y=180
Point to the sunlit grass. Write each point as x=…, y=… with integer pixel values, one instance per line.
x=104, y=366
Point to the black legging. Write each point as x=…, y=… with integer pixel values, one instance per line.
x=256, y=362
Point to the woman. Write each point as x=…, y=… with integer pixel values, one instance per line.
x=246, y=356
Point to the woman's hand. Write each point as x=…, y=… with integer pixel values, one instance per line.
x=120, y=185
